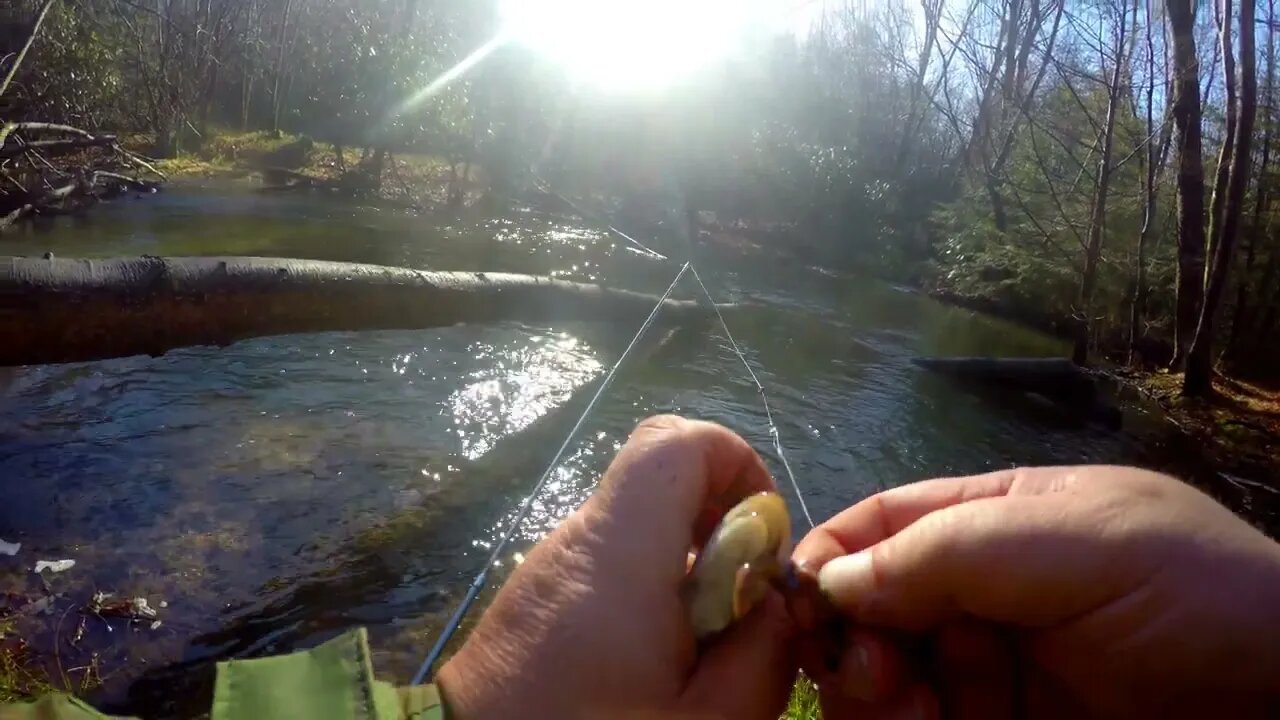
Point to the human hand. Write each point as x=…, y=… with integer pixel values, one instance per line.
x=592, y=623
x=1047, y=592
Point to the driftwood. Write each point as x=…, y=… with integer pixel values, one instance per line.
x=56, y=310
x=46, y=188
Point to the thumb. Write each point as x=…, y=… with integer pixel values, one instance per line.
x=1020, y=560
x=749, y=670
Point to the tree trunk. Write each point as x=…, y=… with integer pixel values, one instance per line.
x=276, y=101
x=1222, y=174
x=1190, y=190
x=1199, y=377
x=245, y=98
x=999, y=217
x=1137, y=310
x=1262, y=203
x=1098, y=214
x=68, y=310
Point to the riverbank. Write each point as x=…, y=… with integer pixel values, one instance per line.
x=285, y=163
x=1237, y=428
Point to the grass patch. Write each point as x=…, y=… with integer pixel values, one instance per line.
x=25, y=677
x=21, y=678
x=803, y=704
x=192, y=166
x=231, y=145
x=408, y=179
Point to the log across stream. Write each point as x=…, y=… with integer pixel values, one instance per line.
x=56, y=310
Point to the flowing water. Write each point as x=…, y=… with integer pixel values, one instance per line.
x=278, y=491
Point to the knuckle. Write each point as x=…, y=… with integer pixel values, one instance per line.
x=660, y=424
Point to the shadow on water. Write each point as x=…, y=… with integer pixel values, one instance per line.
x=284, y=489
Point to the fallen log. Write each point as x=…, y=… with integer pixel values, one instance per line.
x=56, y=310
x=54, y=148
x=32, y=203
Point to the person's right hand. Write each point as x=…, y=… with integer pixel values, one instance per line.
x=1048, y=592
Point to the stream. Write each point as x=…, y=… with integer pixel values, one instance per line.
x=276, y=492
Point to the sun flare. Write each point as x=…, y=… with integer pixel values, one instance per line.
x=631, y=45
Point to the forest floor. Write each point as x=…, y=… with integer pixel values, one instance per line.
x=1239, y=424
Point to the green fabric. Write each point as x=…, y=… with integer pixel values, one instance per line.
x=54, y=706
x=333, y=681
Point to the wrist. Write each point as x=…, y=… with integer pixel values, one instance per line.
x=478, y=683
x=463, y=693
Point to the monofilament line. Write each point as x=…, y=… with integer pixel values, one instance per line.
x=773, y=427
x=455, y=621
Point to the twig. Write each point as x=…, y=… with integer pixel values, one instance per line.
x=31, y=153
x=49, y=127
x=13, y=180
x=131, y=183
x=22, y=54
x=15, y=216
x=139, y=161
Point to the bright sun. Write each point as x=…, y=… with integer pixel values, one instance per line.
x=631, y=45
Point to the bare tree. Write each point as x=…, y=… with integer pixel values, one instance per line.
x=1153, y=166
x=277, y=101
x=1098, y=213
x=1199, y=377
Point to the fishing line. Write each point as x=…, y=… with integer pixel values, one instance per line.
x=481, y=578
x=479, y=582
x=764, y=399
x=724, y=326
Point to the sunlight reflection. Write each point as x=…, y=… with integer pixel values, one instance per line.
x=522, y=384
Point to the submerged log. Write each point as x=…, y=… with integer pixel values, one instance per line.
x=1058, y=380
x=1052, y=376
x=56, y=310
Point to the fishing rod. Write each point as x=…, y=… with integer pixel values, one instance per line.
x=481, y=579
x=478, y=584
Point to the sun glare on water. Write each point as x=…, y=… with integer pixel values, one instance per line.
x=631, y=45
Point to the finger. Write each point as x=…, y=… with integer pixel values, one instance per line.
x=749, y=671
x=1028, y=561
x=864, y=666
x=885, y=514
x=916, y=703
x=672, y=482
x=976, y=669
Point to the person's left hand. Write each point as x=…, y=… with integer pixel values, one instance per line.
x=592, y=624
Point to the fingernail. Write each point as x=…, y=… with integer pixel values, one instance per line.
x=847, y=577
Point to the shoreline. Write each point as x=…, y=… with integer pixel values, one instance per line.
x=1237, y=429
